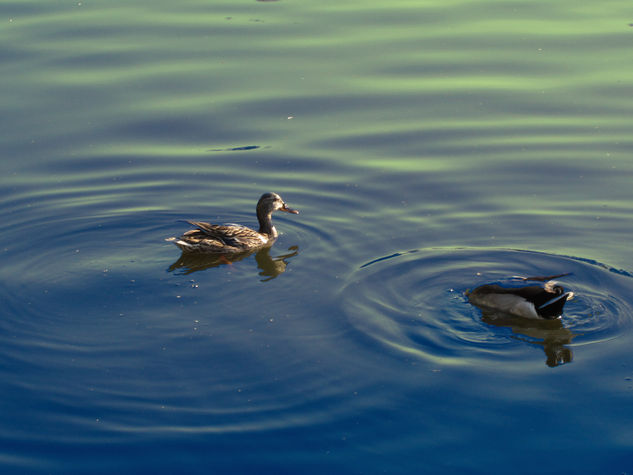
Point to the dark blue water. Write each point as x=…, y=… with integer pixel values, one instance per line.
x=430, y=148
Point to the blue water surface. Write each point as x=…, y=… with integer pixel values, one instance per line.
x=430, y=147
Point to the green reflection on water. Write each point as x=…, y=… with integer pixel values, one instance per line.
x=474, y=97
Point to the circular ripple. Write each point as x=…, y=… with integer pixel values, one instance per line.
x=414, y=303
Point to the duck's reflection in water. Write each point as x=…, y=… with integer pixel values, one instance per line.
x=270, y=267
x=549, y=334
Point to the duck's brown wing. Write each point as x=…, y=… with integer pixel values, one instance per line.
x=195, y=240
x=213, y=231
x=234, y=236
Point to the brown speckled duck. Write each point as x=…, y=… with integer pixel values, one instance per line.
x=233, y=238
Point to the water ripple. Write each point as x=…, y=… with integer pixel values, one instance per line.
x=414, y=303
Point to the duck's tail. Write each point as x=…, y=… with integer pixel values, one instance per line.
x=185, y=246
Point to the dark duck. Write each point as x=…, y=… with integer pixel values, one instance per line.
x=538, y=301
x=233, y=238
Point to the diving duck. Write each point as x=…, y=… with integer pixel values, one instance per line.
x=234, y=238
x=531, y=301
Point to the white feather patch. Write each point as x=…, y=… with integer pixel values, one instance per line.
x=507, y=303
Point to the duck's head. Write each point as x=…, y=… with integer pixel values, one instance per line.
x=556, y=289
x=555, y=299
x=553, y=289
x=270, y=202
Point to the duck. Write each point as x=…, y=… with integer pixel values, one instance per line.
x=543, y=302
x=234, y=238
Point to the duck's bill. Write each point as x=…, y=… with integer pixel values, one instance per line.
x=288, y=210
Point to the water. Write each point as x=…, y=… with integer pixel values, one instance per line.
x=430, y=146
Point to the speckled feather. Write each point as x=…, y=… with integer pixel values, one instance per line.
x=221, y=238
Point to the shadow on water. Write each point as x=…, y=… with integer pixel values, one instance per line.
x=270, y=266
x=551, y=335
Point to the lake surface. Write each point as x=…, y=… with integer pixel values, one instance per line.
x=430, y=146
